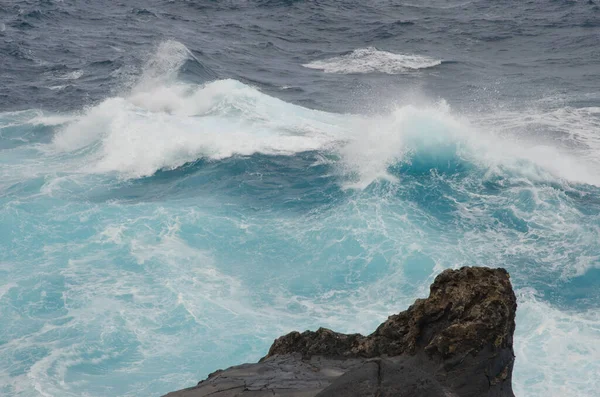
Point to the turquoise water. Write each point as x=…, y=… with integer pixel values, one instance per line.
x=178, y=228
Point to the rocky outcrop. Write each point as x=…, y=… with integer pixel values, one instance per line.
x=457, y=342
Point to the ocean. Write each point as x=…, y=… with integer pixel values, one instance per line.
x=181, y=182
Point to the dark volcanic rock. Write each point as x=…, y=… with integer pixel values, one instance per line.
x=386, y=378
x=457, y=342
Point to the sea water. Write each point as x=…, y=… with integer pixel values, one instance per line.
x=163, y=215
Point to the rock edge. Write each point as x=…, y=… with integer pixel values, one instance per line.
x=457, y=342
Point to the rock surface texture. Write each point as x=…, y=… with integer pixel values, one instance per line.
x=456, y=343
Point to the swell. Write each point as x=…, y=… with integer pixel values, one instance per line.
x=302, y=182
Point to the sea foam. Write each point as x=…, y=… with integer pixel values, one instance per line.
x=371, y=60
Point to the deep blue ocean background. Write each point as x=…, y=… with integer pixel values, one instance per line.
x=183, y=181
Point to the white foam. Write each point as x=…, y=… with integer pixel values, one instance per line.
x=173, y=124
x=5, y=288
x=557, y=352
x=435, y=133
x=163, y=124
x=370, y=60
x=74, y=75
x=576, y=127
x=163, y=65
x=378, y=142
x=51, y=119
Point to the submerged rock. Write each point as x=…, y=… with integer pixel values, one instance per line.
x=458, y=342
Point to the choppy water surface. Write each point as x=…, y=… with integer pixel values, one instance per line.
x=182, y=182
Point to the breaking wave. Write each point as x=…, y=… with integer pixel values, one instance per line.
x=164, y=123
x=372, y=60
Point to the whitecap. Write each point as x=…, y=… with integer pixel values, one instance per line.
x=164, y=123
x=372, y=60
x=557, y=352
x=74, y=75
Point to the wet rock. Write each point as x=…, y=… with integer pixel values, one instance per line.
x=457, y=342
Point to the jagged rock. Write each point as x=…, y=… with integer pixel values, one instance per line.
x=457, y=342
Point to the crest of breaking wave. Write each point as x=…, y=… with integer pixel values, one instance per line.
x=370, y=60
x=164, y=123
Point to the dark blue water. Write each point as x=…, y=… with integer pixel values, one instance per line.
x=183, y=181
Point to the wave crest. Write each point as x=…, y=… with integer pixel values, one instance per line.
x=165, y=123
x=175, y=124
x=372, y=60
